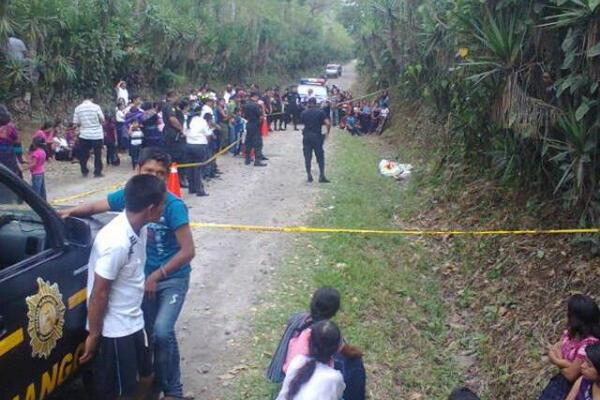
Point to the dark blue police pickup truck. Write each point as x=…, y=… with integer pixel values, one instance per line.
x=43, y=275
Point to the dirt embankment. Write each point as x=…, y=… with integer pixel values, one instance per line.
x=510, y=289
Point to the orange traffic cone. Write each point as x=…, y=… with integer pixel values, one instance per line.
x=264, y=128
x=173, y=184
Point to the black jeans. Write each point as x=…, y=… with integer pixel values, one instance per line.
x=176, y=150
x=253, y=141
x=85, y=146
x=134, y=153
x=111, y=154
x=294, y=115
x=313, y=142
x=196, y=153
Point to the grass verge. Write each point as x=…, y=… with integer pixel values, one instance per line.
x=392, y=305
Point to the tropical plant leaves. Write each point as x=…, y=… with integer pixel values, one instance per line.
x=594, y=51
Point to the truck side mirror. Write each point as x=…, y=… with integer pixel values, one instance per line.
x=78, y=231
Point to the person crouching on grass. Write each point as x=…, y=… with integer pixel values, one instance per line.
x=117, y=342
x=295, y=342
x=568, y=354
x=311, y=377
x=170, y=249
x=588, y=386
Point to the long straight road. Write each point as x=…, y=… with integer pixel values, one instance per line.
x=232, y=269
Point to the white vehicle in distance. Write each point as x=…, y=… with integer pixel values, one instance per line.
x=333, y=70
x=319, y=92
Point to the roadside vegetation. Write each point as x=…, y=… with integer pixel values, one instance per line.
x=497, y=106
x=480, y=65
x=430, y=313
x=77, y=44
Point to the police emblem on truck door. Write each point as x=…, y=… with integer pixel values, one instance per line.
x=46, y=318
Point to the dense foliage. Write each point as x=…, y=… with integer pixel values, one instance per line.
x=161, y=43
x=481, y=64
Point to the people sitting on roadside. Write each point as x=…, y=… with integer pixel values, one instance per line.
x=587, y=387
x=295, y=341
x=353, y=124
x=569, y=353
x=312, y=376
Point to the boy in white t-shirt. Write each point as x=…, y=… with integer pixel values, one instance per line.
x=117, y=341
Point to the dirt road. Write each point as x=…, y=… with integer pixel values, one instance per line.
x=231, y=269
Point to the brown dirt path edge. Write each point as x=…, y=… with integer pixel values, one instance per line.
x=231, y=269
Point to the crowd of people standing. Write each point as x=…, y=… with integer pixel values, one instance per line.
x=193, y=128
x=132, y=315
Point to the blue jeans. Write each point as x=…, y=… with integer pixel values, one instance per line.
x=160, y=315
x=39, y=185
x=335, y=116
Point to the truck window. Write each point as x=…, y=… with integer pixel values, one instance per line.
x=22, y=232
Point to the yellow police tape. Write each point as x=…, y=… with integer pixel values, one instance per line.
x=86, y=194
x=306, y=229
x=200, y=164
x=119, y=185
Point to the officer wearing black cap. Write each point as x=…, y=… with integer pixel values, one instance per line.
x=253, y=114
x=313, y=119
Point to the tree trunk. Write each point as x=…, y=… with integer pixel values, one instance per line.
x=140, y=6
x=393, y=41
x=373, y=51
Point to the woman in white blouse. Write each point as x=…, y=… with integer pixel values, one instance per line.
x=197, y=132
x=313, y=377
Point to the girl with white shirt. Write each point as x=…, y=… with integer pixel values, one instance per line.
x=312, y=377
x=197, y=131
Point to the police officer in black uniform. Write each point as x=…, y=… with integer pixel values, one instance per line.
x=173, y=132
x=253, y=114
x=313, y=119
x=293, y=106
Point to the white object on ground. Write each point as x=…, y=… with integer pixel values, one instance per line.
x=395, y=169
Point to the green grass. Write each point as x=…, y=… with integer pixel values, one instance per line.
x=391, y=302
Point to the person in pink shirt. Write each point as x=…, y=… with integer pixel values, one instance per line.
x=46, y=132
x=569, y=353
x=295, y=343
x=37, y=159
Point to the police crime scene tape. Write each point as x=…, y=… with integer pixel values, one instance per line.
x=389, y=232
x=86, y=194
x=119, y=185
x=203, y=163
x=326, y=230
